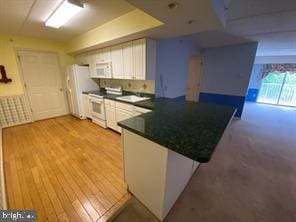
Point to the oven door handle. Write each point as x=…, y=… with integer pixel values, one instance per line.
x=96, y=101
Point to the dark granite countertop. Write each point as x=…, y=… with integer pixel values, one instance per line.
x=188, y=128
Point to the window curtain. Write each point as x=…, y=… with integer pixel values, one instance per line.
x=280, y=68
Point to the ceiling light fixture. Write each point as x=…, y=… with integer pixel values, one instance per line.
x=63, y=13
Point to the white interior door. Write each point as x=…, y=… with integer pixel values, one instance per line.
x=194, y=77
x=43, y=84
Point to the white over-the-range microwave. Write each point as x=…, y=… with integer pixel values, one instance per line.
x=103, y=69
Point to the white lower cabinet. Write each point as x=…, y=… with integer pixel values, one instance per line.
x=110, y=117
x=123, y=111
x=139, y=111
x=86, y=106
x=122, y=115
x=110, y=114
x=118, y=111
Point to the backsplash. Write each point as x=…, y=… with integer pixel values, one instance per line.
x=144, y=86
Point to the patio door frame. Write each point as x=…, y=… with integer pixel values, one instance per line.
x=280, y=94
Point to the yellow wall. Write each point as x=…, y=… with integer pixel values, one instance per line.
x=127, y=24
x=8, y=46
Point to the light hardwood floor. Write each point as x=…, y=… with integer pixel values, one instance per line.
x=65, y=168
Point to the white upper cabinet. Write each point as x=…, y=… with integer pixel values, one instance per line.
x=100, y=63
x=128, y=62
x=103, y=55
x=92, y=64
x=82, y=59
x=131, y=60
x=150, y=59
x=139, y=57
x=117, y=62
x=144, y=59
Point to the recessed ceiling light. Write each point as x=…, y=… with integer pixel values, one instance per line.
x=63, y=13
x=173, y=5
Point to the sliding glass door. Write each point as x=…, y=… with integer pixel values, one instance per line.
x=278, y=88
x=288, y=93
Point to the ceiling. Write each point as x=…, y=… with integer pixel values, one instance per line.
x=270, y=22
x=26, y=17
x=202, y=13
x=216, y=38
x=215, y=22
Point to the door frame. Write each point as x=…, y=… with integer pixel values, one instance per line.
x=22, y=79
x=200, y=76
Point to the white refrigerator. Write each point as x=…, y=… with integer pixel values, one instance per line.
x=78, y=80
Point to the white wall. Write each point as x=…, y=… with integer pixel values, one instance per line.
x=275, y=59
x=255, y=80
x=173, y=56
x=227, y=69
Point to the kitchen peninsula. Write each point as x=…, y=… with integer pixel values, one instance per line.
x=163, y=148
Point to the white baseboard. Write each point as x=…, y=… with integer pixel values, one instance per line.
x=3, y=202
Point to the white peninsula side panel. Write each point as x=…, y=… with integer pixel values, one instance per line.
x=179, y=172
x=145, y=171
x=155, y=175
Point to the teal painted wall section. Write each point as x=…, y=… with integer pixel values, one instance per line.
x=255, y=83
x=226, y=74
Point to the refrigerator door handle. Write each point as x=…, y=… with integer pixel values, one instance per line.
x=68, y=80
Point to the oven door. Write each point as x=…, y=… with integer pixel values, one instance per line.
x=97, y=108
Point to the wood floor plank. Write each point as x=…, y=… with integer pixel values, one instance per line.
x=63, y=217
x=64, y=168
x=37, y=204
x=18, y=198
x=49, y=209
x=28, y=204
x=81, y=211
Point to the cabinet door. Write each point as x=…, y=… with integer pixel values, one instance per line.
x=82, y=59
x=139, y=111
x=117, y=62
x=139, y=58
x=110, y=117
x=128, y=62
x=86, y=105
x=101, y=56
x=104, y=55
x=122, y=115
x=92, y=65
x=98, y=56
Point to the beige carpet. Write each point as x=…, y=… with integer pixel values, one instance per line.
x=252, y=176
